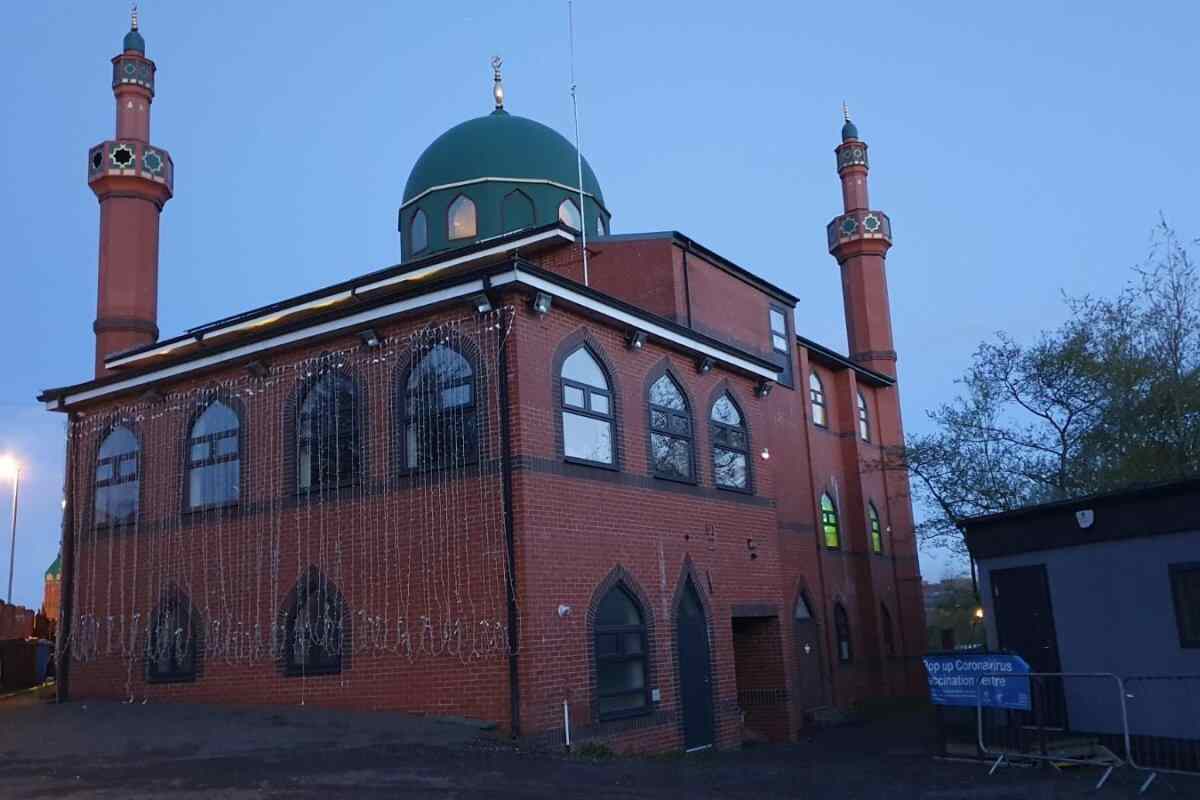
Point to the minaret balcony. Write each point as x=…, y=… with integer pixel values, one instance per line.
x=133, y=70
x=131, y=158
x=860, y=225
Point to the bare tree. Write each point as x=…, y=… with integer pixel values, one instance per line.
x=1108, y=399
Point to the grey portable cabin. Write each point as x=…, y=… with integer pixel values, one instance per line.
x=1109, y=584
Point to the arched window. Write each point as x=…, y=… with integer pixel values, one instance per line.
x=841, y=626
x=864, y=423
x=802, y=612
x=670, y=430
x=214, y=458
x=889, y=635
x=816, y=393
x=118, y=477
x=620, y=640
x=829, y=522
x=876, y=529
x=731, y=446
x=587, y=409
x=460, y=218
x=313, y=627
x=327, y=434
x=171, y=647
x=439, y=409
x=418, y=232
x=516, y=211
x=568, y=214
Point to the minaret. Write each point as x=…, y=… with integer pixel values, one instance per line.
x=133, y=181
x=859, y=239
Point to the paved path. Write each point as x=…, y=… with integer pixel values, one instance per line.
x=114, y=750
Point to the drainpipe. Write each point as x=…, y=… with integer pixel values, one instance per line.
x=510, y=548
x=567, y=725
x=62, y=659
x=687, y=289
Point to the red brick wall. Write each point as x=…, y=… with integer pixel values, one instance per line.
x=761, y=676
x=574, y=525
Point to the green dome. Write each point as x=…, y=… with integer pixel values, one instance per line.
x=55, y=570
x=135, y=42
x=499, y=145
x=516, y=173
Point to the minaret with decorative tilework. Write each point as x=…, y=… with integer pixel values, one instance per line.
x=859, y=239
x=133, y=181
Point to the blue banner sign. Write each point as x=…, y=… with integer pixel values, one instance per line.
x=954, y=680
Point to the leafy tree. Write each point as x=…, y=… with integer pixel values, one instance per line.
x=1108, y=399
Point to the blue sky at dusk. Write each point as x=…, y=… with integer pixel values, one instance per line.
x=1021, y=149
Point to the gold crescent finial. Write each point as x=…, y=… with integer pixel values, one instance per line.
x=133, y=17
x=497, y=86
x=845, y=111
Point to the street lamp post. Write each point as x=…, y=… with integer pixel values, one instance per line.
x=10, y=466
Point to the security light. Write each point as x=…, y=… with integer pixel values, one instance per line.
x=636, y=340
x=480, y=303
x=541, y=303
x=764, y=388
x=369, y=337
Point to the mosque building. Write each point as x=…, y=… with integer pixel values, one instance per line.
x=539, y=469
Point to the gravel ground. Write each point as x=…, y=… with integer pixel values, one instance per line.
x=115, y=750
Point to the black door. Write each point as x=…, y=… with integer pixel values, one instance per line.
x=1025, y=626
x=695, y=670
x=810, y=682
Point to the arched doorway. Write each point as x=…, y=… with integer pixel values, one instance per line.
x=810, y=682
x=695, y=669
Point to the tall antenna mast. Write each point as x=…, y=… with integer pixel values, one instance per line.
x=578, y=146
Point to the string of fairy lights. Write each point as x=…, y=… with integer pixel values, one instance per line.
x=365, y=515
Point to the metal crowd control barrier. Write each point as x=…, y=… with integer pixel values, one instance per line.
x=1069, y=721
x=1163, y=724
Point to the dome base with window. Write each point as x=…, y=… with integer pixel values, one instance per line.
x=494, y=175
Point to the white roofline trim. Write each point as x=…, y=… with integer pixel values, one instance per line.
x=573, y=189
x=339, y=297
x=333, y=326
x=579, y=299
x=453, y=262
x=466, y=289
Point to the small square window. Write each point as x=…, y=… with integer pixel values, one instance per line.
x=599, y=403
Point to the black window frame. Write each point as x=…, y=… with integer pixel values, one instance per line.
x=412, y=235
x=180, y=605
x=841, y=628
x=586, y=409
x=211, y=440
x=506, y=225
x=620, y=631
x=116, y=479
x=874, y=529
x=719, y=438
x=408, y=418
x=310, y=584
x=864, y=418
x=1177, y=574
x=828, y=514
x=450, y=218
x=672, y=415
x=578, y=211
x=782, y=355
x=889, y=632
x=356, y=462
x=816, y=399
